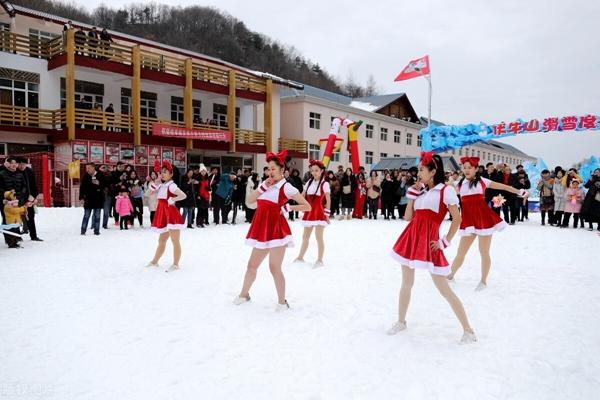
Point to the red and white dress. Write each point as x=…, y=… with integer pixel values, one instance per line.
x=167, y=217
x=315, y=195
x=269, y=227
x=477, y=217
x=413, y=246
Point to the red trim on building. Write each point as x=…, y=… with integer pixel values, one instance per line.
x=27, y=129
x=57, y=61
x=163, y=77
x=210, y=87
x=297, y=154
x=246, y=94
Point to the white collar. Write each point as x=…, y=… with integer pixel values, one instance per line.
x=279, y=184
x=439, y=186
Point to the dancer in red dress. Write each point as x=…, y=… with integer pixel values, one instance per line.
x=420, y=245
x=317, y=193
x=269, y=231
x=478, y=220
x=167, y=220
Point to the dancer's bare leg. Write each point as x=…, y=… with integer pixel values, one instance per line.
x=463, y=248
x=256, y=258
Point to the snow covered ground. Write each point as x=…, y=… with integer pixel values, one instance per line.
x=82, y=319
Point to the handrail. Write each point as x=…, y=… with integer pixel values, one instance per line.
x=247, y=136
x=34, y=117
x=293, y=145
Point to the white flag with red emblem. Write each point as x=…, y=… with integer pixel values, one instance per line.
x=414, y=69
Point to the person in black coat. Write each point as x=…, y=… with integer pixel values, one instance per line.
x=91, y=194
x=32, y=193
x=388, y=192
x=12, y=179
x=188, y=186
x=295, y=180
x=591, y=204
x=521, y=181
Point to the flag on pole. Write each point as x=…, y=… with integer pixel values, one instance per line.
x=415, y=68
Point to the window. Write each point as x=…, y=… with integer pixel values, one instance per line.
x=408, y=139
x=369, y=157
x=397, y=156
x=19, y=93
x=335, y=157
x=478, y=153
x=383, y=134
x=419, y=140
x=177, y=113
x=369, y=131
x=314, y=120
x=314, y=151
x=460, y=152
x=87, y=94
x=36, y=39
x=494, y=158
x=220, y=115
x=396, y=136
x=383, y=155
x=472, y=152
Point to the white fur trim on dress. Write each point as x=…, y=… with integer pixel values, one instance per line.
x=287, y=241
x=313, y=223
x=471, y=230
x=169, y=227
x=419, y=264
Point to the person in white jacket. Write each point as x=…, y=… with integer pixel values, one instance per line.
x=250, y=187
x=151, y=196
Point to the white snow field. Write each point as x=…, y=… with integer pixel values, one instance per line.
x=81, y=318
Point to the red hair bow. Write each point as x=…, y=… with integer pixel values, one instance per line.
x=279, y=157
x=167, y=165
x=474, y=161
x=318, y=163
x=156, y=167
x=427, y=157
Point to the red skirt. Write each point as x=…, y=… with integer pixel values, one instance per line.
x=316, y=215
x=166, y=218
x=413, y=246
x=269, y=227
x=478, y=218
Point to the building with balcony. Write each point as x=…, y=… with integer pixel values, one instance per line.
x=130, y=99
x=390, y=129
x=390, y=124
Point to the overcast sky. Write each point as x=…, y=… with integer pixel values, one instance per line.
x=490, y=61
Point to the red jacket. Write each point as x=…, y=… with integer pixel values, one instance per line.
x=203, y=190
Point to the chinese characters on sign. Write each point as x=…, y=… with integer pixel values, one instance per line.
x=439, y=138
x=186, y=133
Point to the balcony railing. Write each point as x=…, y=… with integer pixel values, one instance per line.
x=300, y=146
x=247, y=136
x=31, y=117
x=122, y=53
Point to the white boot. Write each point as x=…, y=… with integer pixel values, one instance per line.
x=468, y=337
x=318, y=264
x=151, y=264
x=397, y=327
x=172, y=268
x=241, y=300
x=282, y=307
x=480, y=287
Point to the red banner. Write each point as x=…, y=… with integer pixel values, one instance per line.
x=186, y=133
x=415, y=68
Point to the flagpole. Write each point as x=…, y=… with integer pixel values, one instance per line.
x=428, y=77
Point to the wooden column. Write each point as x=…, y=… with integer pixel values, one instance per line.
x=268, y=117
x=231, y=110
x=136, y=95
x=70, y=84
x=188, y=109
